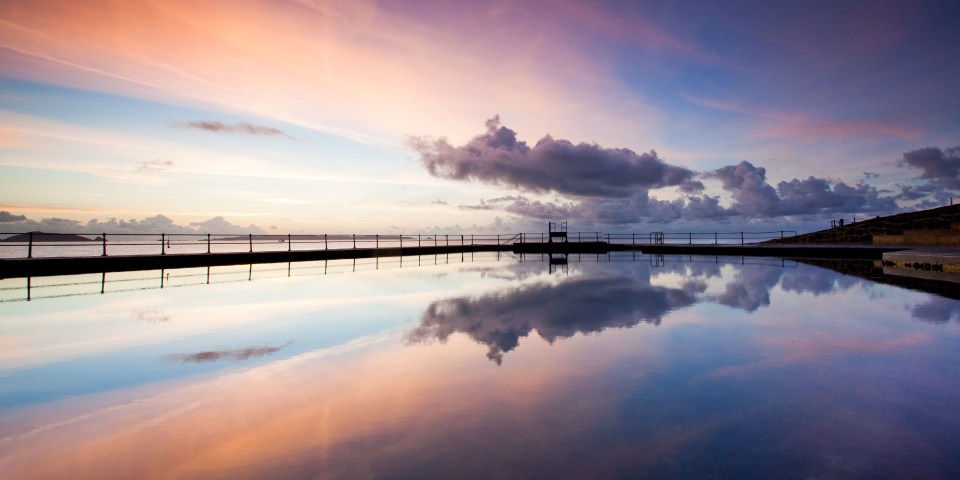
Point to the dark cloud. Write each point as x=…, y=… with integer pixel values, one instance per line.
x=240, y=127
x=753, y=196
x=692, y=186
x=815, y=195
x=6, y=216
x=552, y=165
x=916, y=192
x=157, y=165
x=940, y=166
x=235, y=355
x=603, y=187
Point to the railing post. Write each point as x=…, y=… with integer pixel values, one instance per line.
x=741, y=239
x=104, y=238
x=289, y=245
x=354, y=240
x=690, y=238
x=251, y=242
x=633, y=239
x=208, y=243
x=325, y=246
x=498, y=239
x=447, y=238
x=401, y=245
x=418, y=240
x=461, y=240
x=471, y=239
x=715, y=238
x=30, y=245
x=163, y=241
x=376, y=241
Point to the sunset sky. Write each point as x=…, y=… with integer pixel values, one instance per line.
x=359, y=116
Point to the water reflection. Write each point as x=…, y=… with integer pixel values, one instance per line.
x=689, y=367
x=595, y=299
x=579, y=305
x=235, y=355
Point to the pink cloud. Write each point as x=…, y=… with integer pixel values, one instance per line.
x=794, y=125
x=348, y=68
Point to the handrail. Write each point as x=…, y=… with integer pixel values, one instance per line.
x=30, y=244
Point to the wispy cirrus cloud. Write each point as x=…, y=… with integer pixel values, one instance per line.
x=156, y=165
x=795, y=125
x=243, y=128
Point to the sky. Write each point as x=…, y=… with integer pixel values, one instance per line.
x=318, y=116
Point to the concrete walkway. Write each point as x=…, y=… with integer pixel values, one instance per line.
x=932, y=263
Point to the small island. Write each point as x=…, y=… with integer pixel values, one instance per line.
x=48, y=237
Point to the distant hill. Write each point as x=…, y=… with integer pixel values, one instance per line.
x=49, y=237
x=936, y=226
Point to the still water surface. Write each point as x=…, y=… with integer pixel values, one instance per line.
x=479, y=366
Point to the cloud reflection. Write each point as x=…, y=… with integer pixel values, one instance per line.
x=583, y=305
x=937, y=310
x=235, y=355
x=623, y=297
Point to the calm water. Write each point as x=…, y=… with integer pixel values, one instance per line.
x=479, y=366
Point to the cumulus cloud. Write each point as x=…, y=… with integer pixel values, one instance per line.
x=552, y=165
x=754, y=196
x=150, y=225
x=6, y=217
x=940, y=166
x=221, y=225
x=939, y=173
x=604, y=187
x=815, y=195
x=240, y=127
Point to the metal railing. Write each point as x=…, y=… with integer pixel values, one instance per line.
x=35, y=244
x=696, y=238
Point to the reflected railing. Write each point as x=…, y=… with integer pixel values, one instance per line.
x=26, y=289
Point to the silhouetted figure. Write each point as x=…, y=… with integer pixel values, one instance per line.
x=841, y=222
